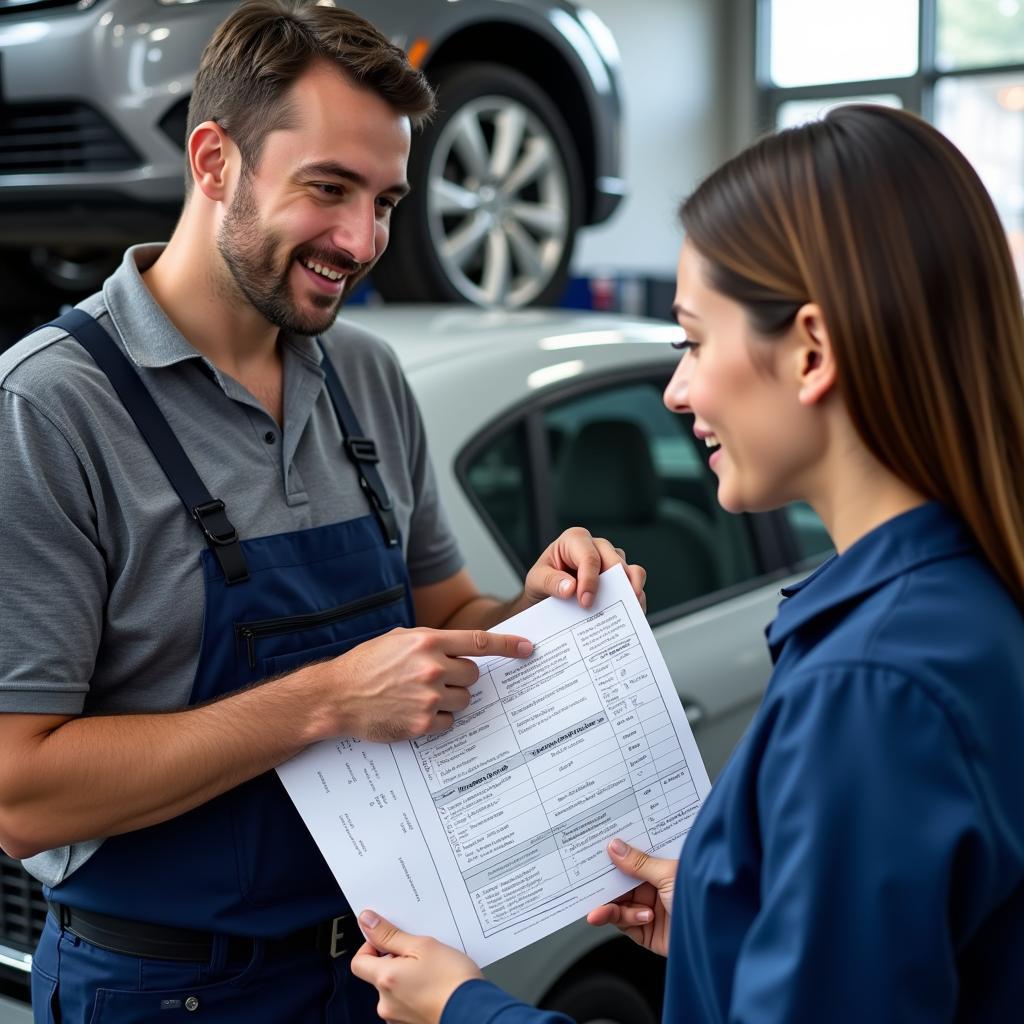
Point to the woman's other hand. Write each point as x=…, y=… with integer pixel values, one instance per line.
x=642, y=913
x=414, y=975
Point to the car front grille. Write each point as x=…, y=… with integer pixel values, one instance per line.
x=48, y=138
x=22, y=907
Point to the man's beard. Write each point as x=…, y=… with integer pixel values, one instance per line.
x=249, y=251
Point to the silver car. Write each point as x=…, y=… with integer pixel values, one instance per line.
x=525, y=149
x=539, y=420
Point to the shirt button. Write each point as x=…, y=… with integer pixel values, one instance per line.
x=270, y=437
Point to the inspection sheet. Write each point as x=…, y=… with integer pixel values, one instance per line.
x=492, y=835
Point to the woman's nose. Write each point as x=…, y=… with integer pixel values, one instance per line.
x=676, y=396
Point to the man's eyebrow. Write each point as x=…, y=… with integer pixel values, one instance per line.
x=332, y=169
x=678, y=311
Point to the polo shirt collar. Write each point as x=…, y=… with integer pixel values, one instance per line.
x=149, y=337
x=927, y=533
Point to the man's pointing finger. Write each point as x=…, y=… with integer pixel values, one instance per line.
x=464, y=643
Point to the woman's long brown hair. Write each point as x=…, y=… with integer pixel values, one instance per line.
x=878, y=218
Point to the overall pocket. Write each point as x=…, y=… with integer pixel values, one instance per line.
x=165, y=991
x=294, y=989
x=295, y=640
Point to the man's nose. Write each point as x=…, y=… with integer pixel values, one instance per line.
x=356, y=232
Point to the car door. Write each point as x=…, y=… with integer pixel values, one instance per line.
x=607, y=455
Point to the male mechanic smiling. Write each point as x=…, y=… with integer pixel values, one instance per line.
x=228, y=498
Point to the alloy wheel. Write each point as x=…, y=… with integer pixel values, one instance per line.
x=498, y=208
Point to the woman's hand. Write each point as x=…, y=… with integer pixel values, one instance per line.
x=414, y=975
x=643, y=913
x=571, y=564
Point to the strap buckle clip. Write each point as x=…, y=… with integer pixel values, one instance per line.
x=362, y=449
x=337, y=935
x=62, y=913
x=213, y=508
x=379, y=503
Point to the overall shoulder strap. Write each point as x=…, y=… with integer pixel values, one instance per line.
x=208, y=512
x=362, y=452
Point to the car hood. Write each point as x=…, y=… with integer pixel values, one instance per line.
x=428, y=335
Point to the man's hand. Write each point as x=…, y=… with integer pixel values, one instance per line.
x=407, y=682
x=571, y=564
x=414, y=975
x=642, y=913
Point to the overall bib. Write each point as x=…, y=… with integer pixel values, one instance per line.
x=239, y=874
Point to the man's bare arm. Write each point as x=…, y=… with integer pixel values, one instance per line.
x=64, y=779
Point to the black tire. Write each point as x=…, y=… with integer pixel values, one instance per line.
x=27, y=299
x=601, y=998
x=414, y=269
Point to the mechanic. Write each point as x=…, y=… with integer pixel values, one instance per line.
x=222, y=543
x=853, y=339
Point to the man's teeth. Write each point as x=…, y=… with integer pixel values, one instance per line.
x=331, y=275
x=711, y=441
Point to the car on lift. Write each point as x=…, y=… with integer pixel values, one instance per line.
x=539, y=420
x=524, y=151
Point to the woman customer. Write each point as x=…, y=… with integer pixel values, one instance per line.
x=854, y=339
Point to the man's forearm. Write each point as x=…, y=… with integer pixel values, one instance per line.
x=66, y=779
x=93, y=777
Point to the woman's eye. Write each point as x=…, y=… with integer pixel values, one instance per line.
x=684, y=342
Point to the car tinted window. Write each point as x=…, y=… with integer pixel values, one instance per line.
x=626, y=468
x=498, y=479
x=812, y=539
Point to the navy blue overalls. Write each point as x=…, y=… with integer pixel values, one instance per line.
x=240, y=875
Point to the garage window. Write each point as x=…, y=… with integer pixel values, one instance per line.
x=958, y=63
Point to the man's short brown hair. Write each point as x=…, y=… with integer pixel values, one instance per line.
x=257, y=54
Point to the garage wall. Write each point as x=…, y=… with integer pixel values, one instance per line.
x=689, y=102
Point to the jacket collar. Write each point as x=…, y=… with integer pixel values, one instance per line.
x=925, y=534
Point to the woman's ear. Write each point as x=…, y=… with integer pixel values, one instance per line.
x=815, y=362
x=210, y=151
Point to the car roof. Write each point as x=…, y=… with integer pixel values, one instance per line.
x=430, y=335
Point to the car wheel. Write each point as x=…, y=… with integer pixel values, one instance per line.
x=27, y=298
x=497, y=197
x=601, y=998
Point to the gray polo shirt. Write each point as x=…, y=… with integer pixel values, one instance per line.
x=102, y=605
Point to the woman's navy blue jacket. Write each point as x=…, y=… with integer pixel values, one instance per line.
x=861, y=857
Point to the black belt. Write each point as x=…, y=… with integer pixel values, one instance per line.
x=336, y=937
